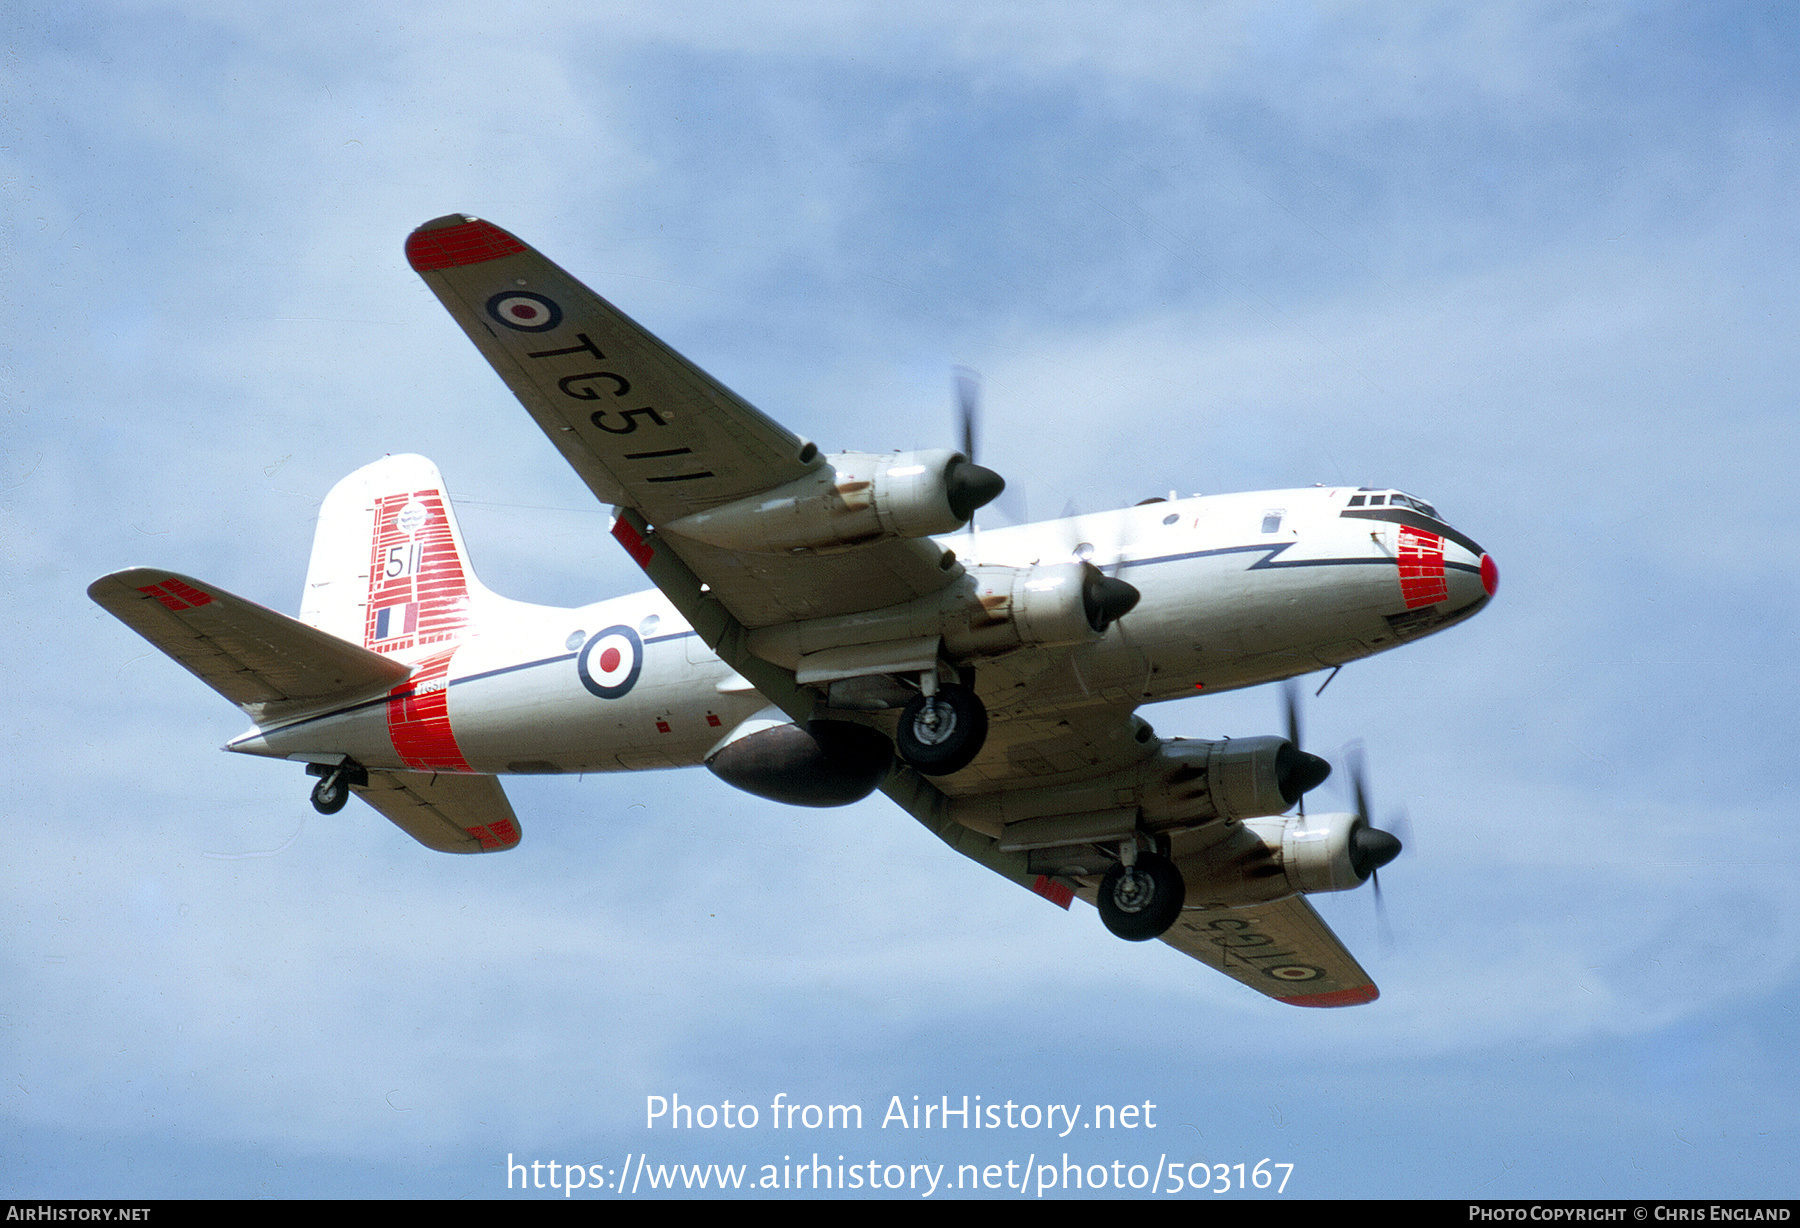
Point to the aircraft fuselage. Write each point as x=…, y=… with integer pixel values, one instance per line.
x=1238, y=590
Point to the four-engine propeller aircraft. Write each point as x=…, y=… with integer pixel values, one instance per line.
x=811, y=639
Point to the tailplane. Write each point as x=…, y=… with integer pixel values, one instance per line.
x=264, y=662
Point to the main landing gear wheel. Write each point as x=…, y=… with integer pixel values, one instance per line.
x=940, y=734
x=1139, y=902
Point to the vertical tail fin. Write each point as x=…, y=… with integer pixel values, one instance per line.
x=389, y=570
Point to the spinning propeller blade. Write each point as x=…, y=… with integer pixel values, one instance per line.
x=1370, y=847
x=1300, y=772
x=970, y=486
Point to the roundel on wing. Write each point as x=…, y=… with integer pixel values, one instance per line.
x=525, y=311
x=1295, y=972
x=611, y=661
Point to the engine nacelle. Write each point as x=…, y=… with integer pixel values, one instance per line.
x=1240, y=778
x=829, y=763
x=1270, y=859
x=852, y=499
x=1012, y=607
x=1176, y=785
x=987, y=611
x=1317, y=853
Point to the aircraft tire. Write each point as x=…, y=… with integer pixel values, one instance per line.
x=331, y=794
x=1140, y=903
x=943, y=734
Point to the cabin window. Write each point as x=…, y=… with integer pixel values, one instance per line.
x=1171, y=518
x=1272, y=521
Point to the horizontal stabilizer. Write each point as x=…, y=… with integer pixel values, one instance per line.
x=443, y=811
x=251, y=655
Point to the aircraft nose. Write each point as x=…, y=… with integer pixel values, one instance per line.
x=1476, y=568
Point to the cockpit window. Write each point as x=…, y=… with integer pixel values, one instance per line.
x=1417, y=505
x=1393, y=498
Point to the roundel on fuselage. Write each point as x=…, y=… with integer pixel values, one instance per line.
x=610, y=662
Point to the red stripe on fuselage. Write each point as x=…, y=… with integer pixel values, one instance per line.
x=418, y=712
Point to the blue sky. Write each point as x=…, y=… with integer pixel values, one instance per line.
x=1534, y=265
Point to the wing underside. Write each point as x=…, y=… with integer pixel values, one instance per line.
x=641, y=424
x=647, y=429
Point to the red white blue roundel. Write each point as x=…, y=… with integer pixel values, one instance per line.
x=525, y=311
x=611, y=661
x=1295, y=972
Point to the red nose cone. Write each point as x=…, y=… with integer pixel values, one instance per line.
x=1490, y=574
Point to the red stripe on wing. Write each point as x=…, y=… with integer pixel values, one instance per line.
x=1337, y=997
x=451, y=247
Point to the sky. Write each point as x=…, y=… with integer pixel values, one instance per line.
x=1532, y=263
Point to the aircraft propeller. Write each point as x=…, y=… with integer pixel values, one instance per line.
x=1370, y=847
x=1104, y=598
x=968, y=485
x=968, y=406
x=1298, y=771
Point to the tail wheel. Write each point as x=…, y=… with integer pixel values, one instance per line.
x=940, y=734
x=1139, y=902
x=331, y=793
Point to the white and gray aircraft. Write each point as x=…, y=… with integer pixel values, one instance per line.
x=814, y=636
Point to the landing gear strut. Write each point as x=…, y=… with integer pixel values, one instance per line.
x=942, y=733
x=1140, y=901
x=333, y=790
